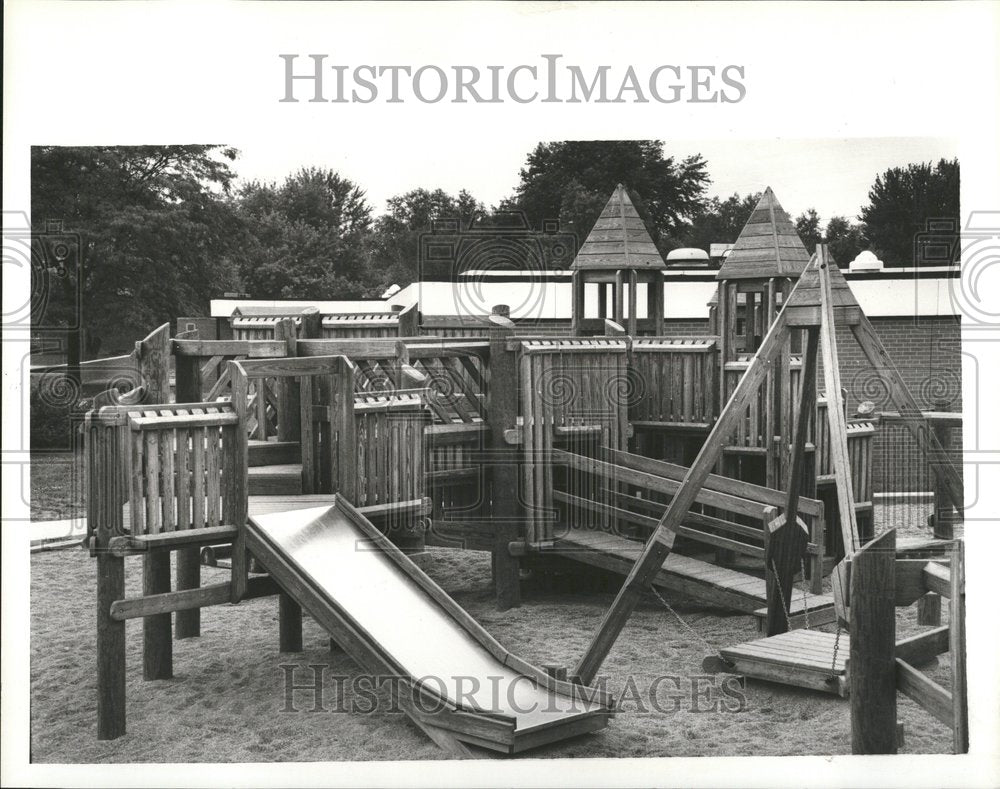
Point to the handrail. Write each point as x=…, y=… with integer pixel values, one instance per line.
x=294, y=366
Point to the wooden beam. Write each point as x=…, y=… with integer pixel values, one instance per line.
x=157, y=651
x=187, y=599
x=715, y=482
x=873, y=644
x=289, y=624
x=924, y=691
x=661, y=541
x=240, y=566
x=835, y=412
x=937, y=578
x=507, y=512
x=956, y=645
x=187, y=389
x=787, y=537
x=923, y=646
x=110, y=648
x=172, y=540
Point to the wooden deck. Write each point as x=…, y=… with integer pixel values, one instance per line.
x=699, y=579
x=803, y=658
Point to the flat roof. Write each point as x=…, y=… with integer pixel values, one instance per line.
x=548, y=295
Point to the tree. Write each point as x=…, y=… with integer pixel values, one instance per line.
x=396, y=250
x=902, y=202
x=807, y=226
x=720, y=221
x=845, y=239
x=156, y=235
x=571, y=181
x=309, y=238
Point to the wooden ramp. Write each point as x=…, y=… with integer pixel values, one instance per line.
x=803, y=658
x=698, y=579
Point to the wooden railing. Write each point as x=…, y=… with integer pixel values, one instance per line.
x=457, y=326
x=146, y=366
x=673, y=383
x=389, y=431
x=573, y=393
x=456, y=375
x=762, y=421
x=310, y=324
x=326, y=414
x=633, y=492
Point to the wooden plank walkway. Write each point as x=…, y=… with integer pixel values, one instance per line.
x=803, y=658
x=699, y=579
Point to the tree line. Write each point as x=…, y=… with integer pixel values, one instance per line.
x=159, y=230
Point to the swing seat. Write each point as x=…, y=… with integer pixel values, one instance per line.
x=802, y=658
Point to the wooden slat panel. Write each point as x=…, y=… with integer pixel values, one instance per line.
x=212, y=478
x=154, y=523
x=198, y=440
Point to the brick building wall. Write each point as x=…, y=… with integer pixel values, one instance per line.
x=926, y=351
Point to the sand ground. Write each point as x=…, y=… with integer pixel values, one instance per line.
x=228, y=702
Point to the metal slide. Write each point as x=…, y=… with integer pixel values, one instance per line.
x=452, y=678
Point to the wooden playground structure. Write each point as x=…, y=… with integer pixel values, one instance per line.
x=722, y=467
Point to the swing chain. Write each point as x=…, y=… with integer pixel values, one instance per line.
x=678, y=617
x=836, y=648
x=805, y=598
x=781, y=597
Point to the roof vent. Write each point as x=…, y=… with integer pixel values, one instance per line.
x=866, y=261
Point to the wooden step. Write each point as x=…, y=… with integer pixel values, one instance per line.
x=699, y=579
x=274, y=453
x=276, y=480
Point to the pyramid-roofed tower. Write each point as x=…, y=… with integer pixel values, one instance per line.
x=619, y=239
x=768, y=245
x=806, y=293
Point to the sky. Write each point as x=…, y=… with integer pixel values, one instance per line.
x=831, y=175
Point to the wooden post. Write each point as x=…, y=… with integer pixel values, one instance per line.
x=158, y=656
x=312, y=324
x=106, y=494
x=661, y=541
x=944, y=507
x=929, y=610
x=240, y=566
x=956, y=652
x=409, y=321
x=555, y=670
x=289, y=624
x=633, y=287
x=342, y=415
x=873, y=647
x=153, y=354
x=579, y=302
x=187, y=389
x=657, y=306
x=786, y=544
x=505, y=495
x=287, y=387
x=835, y=413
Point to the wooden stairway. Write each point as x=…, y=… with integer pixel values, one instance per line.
x=701, y=580
x=275, y=468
